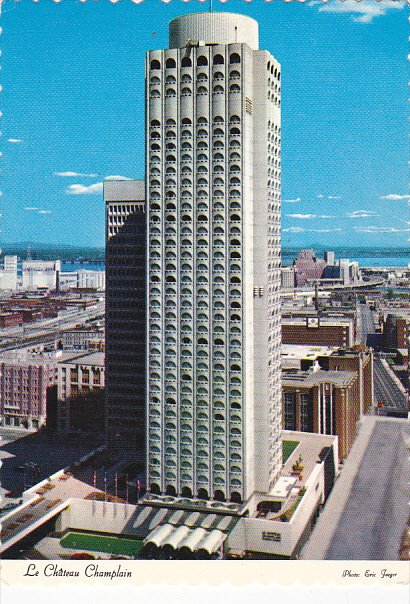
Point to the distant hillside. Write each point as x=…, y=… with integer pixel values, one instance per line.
x=47, y=251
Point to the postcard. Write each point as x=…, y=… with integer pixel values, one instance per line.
x=204, y=300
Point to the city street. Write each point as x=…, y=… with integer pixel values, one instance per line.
x=29, y=457
x=367, y=510
x=386, y=389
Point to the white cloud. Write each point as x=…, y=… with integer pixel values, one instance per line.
x=291, y=200
x=84, y=189
x=293, y=230
x=361, y=214
x=393, y=197
x=320, y=196
x=308, y=216
x=360, y=12
x=302, y=230
x=95, y=188
x=334, y=197
x=325, y=230
x=376, y=229
x=76, y=174
x=15, y=140
x=38, y=210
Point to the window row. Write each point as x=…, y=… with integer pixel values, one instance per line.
x=234, y=119
x=218, y=59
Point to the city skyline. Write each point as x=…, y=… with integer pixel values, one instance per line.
x=344, y=166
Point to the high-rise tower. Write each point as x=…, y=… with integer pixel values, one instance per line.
x=125, y=314
x=213, y=236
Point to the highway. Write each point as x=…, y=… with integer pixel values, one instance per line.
x=47, y=330
x=386, y=389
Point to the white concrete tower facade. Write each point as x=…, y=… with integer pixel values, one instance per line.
x=213, y=307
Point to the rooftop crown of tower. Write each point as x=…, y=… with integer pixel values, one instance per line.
x=213, y=28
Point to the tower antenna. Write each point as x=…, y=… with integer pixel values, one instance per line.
x=210, y=6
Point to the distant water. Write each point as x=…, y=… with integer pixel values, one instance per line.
x=67, y=267
x=363, y=260
x=287, y=259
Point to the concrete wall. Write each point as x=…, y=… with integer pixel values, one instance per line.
x=256, y=534
x=98, y=516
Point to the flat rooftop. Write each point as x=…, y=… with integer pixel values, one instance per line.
x=308, y=379
x=299, y=351
x=309, y=448
x=324, y=320
x=93, y=358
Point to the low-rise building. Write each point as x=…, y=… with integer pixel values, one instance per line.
x=83, y=338
x=288, y=277
x=40, y=274
x=315, y=330
x=396, y=331
x=324, y=402
x=80, y=384
x=25, y=380
x=297, y=356
x=8, y=276
x=359, y=358
x=11, y=319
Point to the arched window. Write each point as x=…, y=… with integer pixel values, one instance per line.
x=186, y=62
x=155, y=64
x=218, y=60
x=202, y=60
x=169, y=63
x=170, y=122
x=155, y=123
x=234, y=58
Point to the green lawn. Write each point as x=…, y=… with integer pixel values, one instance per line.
x=99, y=543
x=288, y=446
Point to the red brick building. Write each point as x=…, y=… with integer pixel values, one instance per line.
x=324, y=402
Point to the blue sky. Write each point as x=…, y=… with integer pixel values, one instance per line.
x=73, y=114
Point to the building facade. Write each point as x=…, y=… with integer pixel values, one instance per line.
x=24, y=384
x=396, y=330
x=125, y=316
x=40, y=274
x=83, y=339
x=288, y=277
x=324, y=402
x=80, y=382
x=360, y=360
x=8, y=277
x=213, y=231
x=319, y=331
